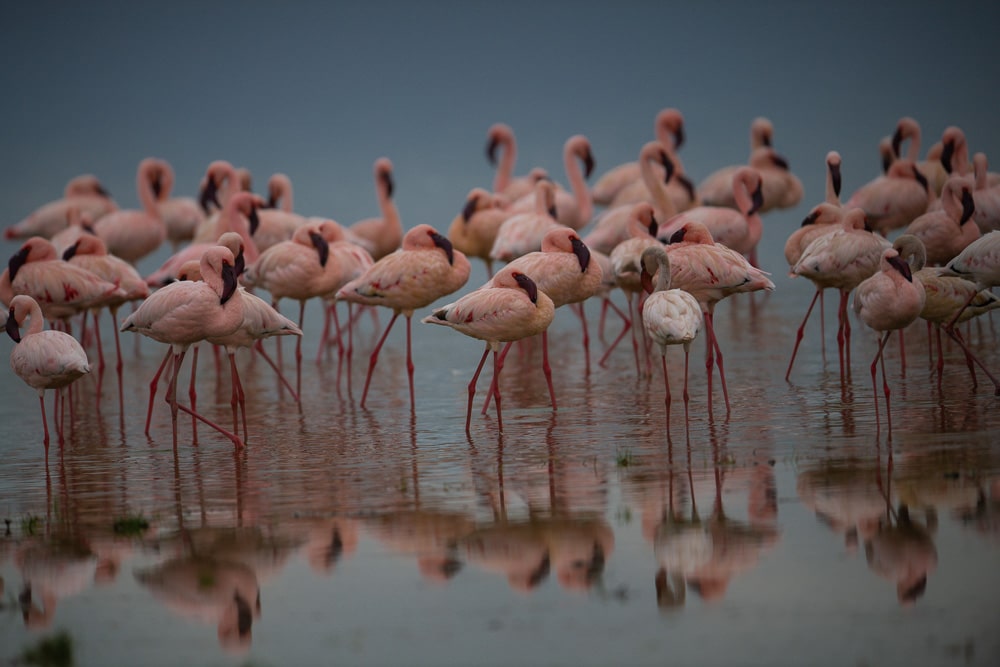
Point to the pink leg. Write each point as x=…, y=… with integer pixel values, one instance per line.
x=958, y=339
x=298, y=350
x=578, y=309
x=374, y=357
x=635, y=317
x=493, y=381
x=409, y=363
x=45, y=423
x=193, y=393
x=546, y=369
x=325, y=338
x=885, y=390
x=234, y=400
x=801, y=332
x=605, y=302
x=259, y=346
x=822, y=327
x=666, y=388
x=709, y=356
x=627, y=325
x=232, y=436
x=874, y=371
x=718, y=362
x=497, y=367
x=687, y=397
x=902, y=353
x=152, y=387
x=100, y=354
x=940, y=353
x=172, y=392
x=472, y=388
x=119, y=365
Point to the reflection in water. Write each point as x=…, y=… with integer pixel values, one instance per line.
x=902, y=551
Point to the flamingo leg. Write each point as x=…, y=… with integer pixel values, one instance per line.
x=822, y=327
x=885, y=390
x=178, y=357
x=119, y=365
x=718, y=362
x=902, y=353
x=192, y=391
x=489, y=394
x=100, y=355
x=298, y=350
x=957, y=337
x=45, y=423
x=374, y=357
x=234, y=400
x=497, y=367
x=546, y=369
x=874, y=371
x=324, y=339
x=409, y=361
x=628, y=325
x=602, y=318
x=940, y=353
x=635, y=317
x=259, y=346
x=578, y=309
x=666, y=387
x=801, y=332
x=472, y=388
x=152, y=388
x=687, y=397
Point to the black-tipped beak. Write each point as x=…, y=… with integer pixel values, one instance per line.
x=679, y=137
x=209, y=195
x=17, y=260
x=491, y=151
x=920, y=178
x=443, y=243
x=471, y=205
x=968, y=206
x=897, y=141
x=758, y=198
x=157, y=185
x=766, y=140
x=322, y=247
x=687, y=185
x=646, y=280
x=553, y=213
x=582, y=253
x=70, y=251
x=835, y=177
x=272, y=200
x=780, y=162
x=588, y=164
x=229, y=282
x=12, y=329
x=528, y=285
x=902, y=266
x=241, y=263
x=102, y=191
x=654, y=226
x=947, y=153
x=387, y=183
x=254, y=220
x=887, y=160
x=668, y=166
x=810, y=219
x=678, y=236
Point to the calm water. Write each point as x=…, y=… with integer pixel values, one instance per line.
x=792, y=532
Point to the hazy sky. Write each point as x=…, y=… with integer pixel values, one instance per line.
x=319, y=90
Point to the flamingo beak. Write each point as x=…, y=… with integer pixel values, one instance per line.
x=679, y=137
x=654, y=226
x=443, y=243
x=241, y=263
x=157, y=185
x=810, y=219
x=103, y=192
x=12, y=329
x=588, y=164
x=968, y=206
x=527, y=284
x=678, y=236
x=71, y=251
x=386, y=177
x=322, y=247
x=902, y=266
x=668, y=166
x=920, y=178
x=491, y=150
x=471, y=205
x=254, y=220
x=947, y=153
x=758, y=198
x=229, y=282
x=209, y=194
x=836, y=178
x=582, y=253
x=897, y=141
x=17, y=260
x=646, y=280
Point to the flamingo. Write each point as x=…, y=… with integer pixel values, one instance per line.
x=946, y=231
x=716, y=188
x=181, y=215
x=220, y=183
x=670, y=316
x=184, y=312
x=43, y=359
x=84, y=193
x=297, y=269
x=522, y=233
x=90, y=253
x=564, y=272
x=78, y=223
x=575, y=208
x=280, y=194
x=739, y=229
x=383, y=235
x=133, y=234
x=668, y=129
x=612, y=226
x=840, y=259
x=710, y=272
x=277, y=224
x=626, y=264
x=474, y=230
x=985, y=196
x=509, y=308
x=61, y=289
x=886, y=301
x=505, y=184
x=260, y=321
x=235, y=224
x=425, y=269
x=352, y=261
x=895, y=200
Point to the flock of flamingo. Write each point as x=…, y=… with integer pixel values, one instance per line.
x=675, y=249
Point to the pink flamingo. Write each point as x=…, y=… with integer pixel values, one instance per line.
x=79, y=223
x=895, y=200
x=260, y=321
x=509, y=308
x=841, y=259
x=668, y=129
x=711, y=272
x=61, y=289
x=383, y=235
x=501, y=136
x=297, y=269
x=90, y=253
x=424, y=270
x=280, y=194
x=43, y=359
x=670, y=316
x=277, y=224
x=564, y=272
x=886, y=301
x=234, y=225
x=612, y=226
x=575, y=208
x=352, y=261
x=474, y=230
x=133, y=234
x=739, y=229
x=716, y=188
x=626, y=259
x=184, y=313
x=220, y=183
x=181, y=215
x=946, y=231
x=985, y=196
x=84, y=193
x=522, y=233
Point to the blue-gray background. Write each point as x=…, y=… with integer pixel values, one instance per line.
x=319, y=90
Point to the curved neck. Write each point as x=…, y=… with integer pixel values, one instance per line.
x=656, y=186
x=505, y=169
x=144, y=186
x=981, y=169
x=577, y=184
x=231, y=219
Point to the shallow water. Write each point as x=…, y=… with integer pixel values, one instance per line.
x=792, y=531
